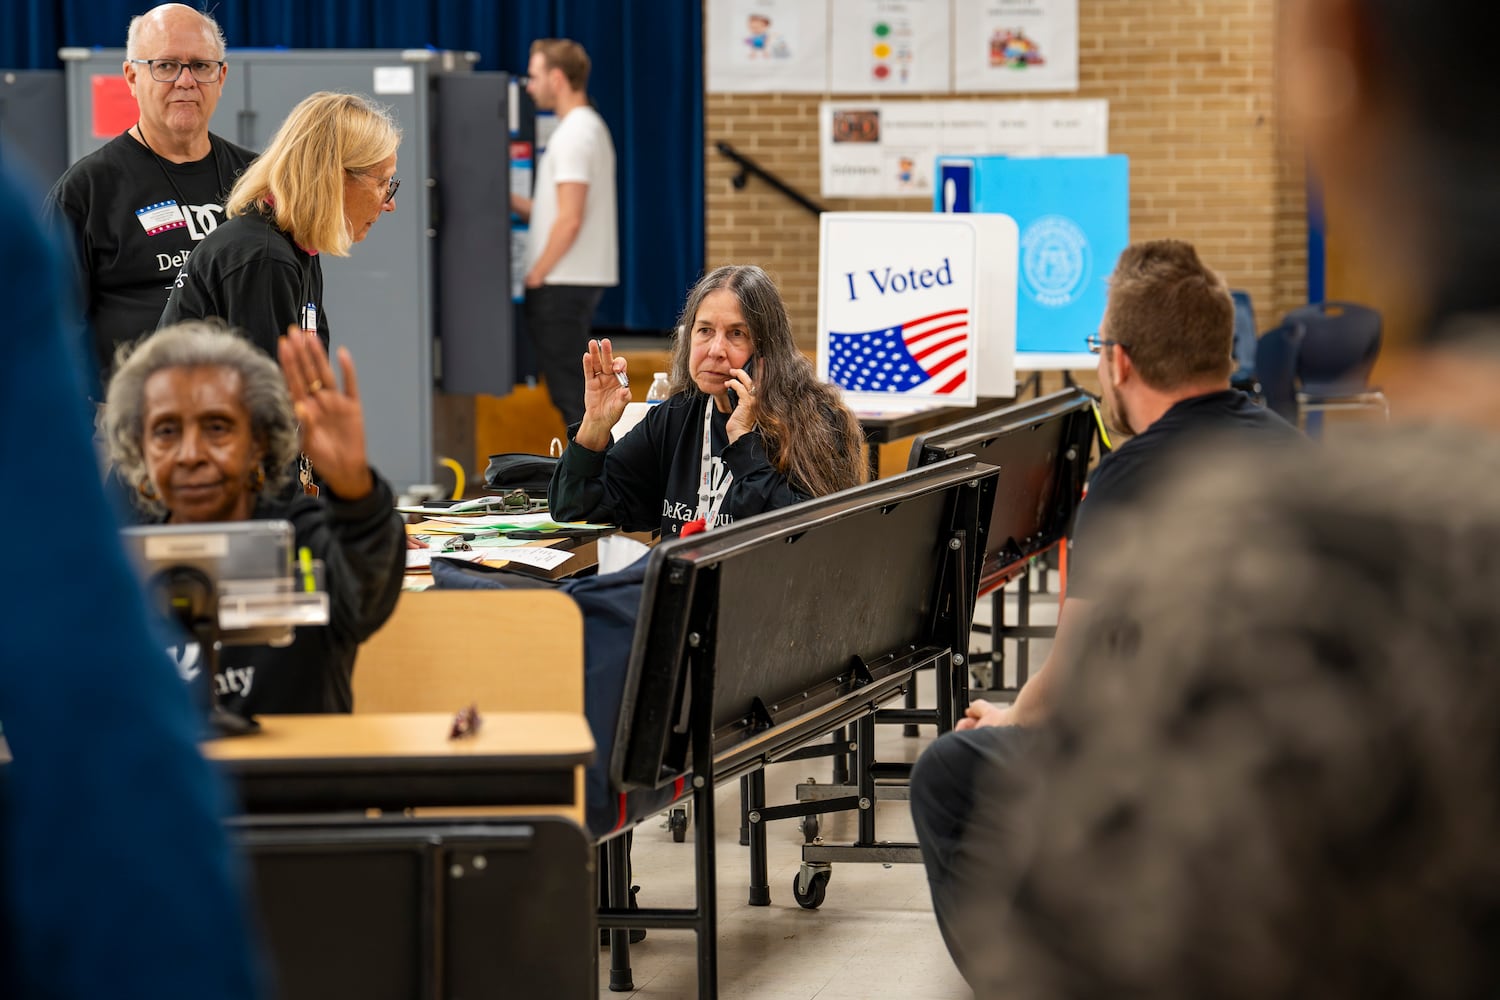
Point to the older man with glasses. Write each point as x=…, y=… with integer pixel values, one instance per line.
x=138, y=205
x=1165, y=356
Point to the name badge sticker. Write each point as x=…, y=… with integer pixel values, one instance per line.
x=160, y=217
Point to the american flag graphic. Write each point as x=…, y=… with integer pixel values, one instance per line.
x=161, y=217
x=927, y=356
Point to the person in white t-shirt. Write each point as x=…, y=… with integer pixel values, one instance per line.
x=573, y=252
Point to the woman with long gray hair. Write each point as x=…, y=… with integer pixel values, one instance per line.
x=747, y=428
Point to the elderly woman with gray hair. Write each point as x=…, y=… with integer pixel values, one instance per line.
x=205, y=427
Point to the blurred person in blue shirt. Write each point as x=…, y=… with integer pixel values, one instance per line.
x=116, y=872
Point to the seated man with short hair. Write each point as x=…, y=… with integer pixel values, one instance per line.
x=1165, y=356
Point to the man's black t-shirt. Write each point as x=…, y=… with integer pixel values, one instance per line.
x=1128, y=472
x=131, y=234
x=253, y=276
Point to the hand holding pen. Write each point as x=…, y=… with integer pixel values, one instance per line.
x=606, y=392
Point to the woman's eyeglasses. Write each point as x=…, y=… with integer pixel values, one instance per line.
x=390, y=185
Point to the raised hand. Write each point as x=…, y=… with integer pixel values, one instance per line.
x=332, y=419
x=604, y=398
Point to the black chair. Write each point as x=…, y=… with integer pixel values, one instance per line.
x=1320, y=359
x=1276, y=369
x=1246, y=336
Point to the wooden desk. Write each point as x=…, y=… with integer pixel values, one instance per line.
x=332, y=763
x=419, y=907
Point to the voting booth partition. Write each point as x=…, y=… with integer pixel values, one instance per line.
x=1073, y=215
x=917, y=310
x=760, y=637
x=1042, y=449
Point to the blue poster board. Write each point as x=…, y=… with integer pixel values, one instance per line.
x=1074, y=218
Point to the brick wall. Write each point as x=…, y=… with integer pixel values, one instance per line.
x=1192, y=103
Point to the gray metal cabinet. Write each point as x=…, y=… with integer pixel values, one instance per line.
x=32, y=102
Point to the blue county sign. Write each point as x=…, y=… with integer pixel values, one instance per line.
x=1074, y=219
x=917, y=309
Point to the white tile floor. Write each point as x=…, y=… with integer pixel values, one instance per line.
x=873, y=937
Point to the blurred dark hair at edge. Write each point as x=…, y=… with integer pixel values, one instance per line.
x=1435, y=64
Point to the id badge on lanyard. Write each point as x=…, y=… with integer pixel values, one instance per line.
x=710, y=496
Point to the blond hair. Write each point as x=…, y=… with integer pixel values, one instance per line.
x=299, y=179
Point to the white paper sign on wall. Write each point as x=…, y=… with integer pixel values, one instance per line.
x=917, y=309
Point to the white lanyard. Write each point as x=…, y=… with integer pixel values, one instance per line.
x=710, y=499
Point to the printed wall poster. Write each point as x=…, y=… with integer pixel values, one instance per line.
x=1015, y=46
x=889, y=46
x=877, y=149
x=767, y=46
x=887, y=149
x=1071, y=128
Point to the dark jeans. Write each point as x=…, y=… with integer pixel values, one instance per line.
x=558, y=319
x=964, y=790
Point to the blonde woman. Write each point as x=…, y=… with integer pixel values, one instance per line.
x=319, y=187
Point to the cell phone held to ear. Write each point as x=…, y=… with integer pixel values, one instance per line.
x=749, y=368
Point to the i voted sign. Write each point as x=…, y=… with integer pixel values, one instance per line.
x=916, y=309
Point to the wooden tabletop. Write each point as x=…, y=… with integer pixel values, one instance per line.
x=511, y=735
x=328, y=763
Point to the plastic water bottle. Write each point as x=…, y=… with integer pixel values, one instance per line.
x=660, y=388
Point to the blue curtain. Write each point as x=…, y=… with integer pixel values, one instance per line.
x=647, y=83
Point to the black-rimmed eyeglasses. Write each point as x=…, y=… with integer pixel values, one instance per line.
x=390, y=185
x=1097, y=343
x=170, y=70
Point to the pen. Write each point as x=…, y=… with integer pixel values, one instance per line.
x=304, y=562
